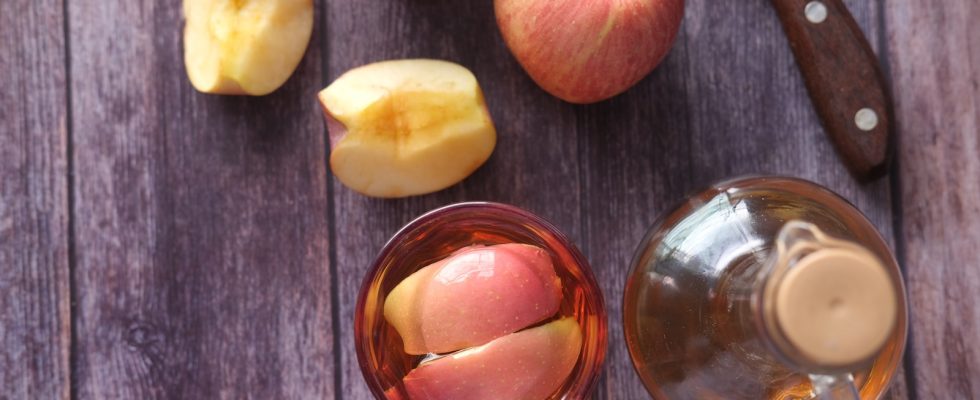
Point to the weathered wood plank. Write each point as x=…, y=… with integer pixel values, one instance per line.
x=728, y=101
x=201, y=221
x=535, y=164
x=35, y=326
x=934, y=50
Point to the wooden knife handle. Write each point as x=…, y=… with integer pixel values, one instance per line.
x=845, y=82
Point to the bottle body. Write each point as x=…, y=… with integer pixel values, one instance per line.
x=688, y=314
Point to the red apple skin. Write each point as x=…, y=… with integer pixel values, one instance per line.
x=335, y=129
x=587, y=51
x=474, y=296
x=530, y=364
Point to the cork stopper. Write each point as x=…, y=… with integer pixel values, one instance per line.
x=836, y=307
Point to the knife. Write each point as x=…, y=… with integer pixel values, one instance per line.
x=844, y=80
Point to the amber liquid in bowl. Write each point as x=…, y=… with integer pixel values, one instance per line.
x=438, y=234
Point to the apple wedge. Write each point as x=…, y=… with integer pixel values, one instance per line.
x=244, y=46
x=472, y=297
x=406, y=127
x=531, y=364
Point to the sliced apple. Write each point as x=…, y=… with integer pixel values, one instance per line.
x=476, y=295
x=406, y=127
x=244, y=46
x=530, y=364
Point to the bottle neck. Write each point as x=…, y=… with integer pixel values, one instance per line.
x=816, y=304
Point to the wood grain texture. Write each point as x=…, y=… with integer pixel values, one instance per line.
x=727, y=101
x=35, y=325
x=205, y=226
x=934, y=49
x=535, y=164
x=202, y=266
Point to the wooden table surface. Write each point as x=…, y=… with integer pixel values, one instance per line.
x=156, y=242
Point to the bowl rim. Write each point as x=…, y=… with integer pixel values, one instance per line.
x=398, y=238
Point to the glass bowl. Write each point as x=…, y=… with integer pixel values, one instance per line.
x=437, y=234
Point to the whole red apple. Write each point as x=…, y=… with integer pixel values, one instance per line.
x=584, y=51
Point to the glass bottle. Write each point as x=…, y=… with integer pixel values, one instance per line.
x=765, y=288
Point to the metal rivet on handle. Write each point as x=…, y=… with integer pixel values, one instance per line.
x=866, y=119
x=816, y=12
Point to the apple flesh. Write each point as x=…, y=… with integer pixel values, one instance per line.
x=406, y=127
x=530, y=364
x=472, y=297
x=587, y=51
x=244, y=46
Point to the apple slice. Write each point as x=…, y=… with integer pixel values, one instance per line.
x=244, y=46
x=476, y=295
x=586, y=51
x=406, y=127
x=530, y=364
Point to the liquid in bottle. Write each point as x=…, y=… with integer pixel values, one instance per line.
x=765, y=288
